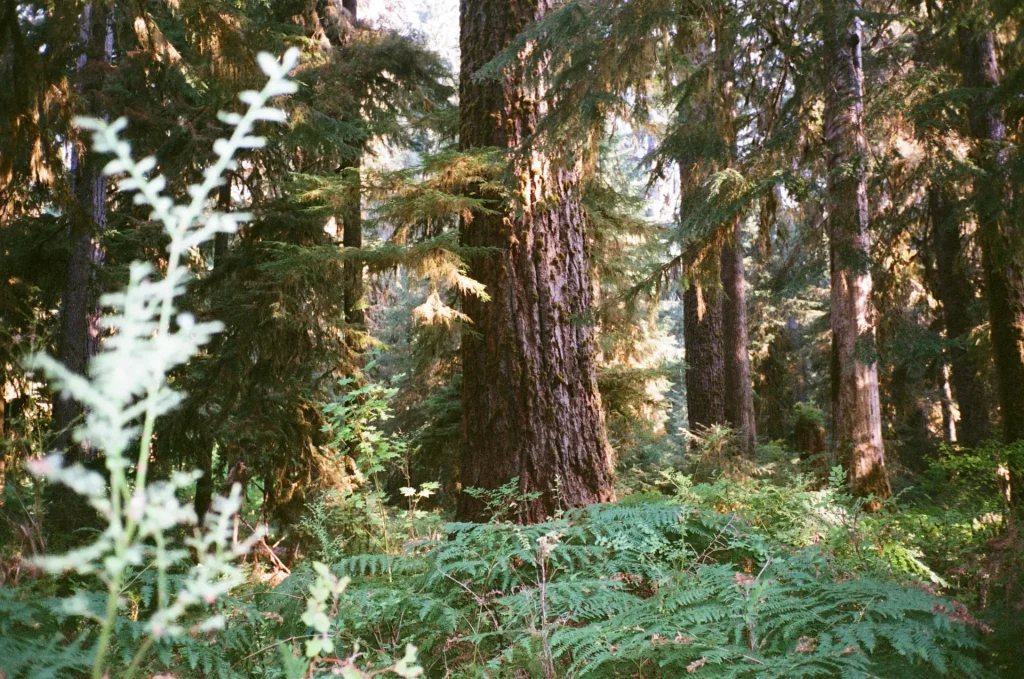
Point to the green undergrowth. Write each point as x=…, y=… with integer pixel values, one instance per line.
x=640, y=588
x=766, y=571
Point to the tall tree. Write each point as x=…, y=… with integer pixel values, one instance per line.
x=531, y=406
x=705, y=363
x=739, y=401
x=955, y=291
x=702, y=318
x=79, y=326
x=1000, y=239
x=352, y=217
x=706, y=127
x=855, y=402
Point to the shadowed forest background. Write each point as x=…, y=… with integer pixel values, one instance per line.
x=511, y=338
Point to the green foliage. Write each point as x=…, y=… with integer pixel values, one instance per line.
x=356, y=512
x=648, y=589
x=139, y=553
x=714, y=566
x=504, y=503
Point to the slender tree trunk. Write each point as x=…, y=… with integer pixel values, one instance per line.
x=204, y=485
x=79, y=313
x=352, y=237
x=955, y=291
x=1001, y=246
x=530, y=403
x=739, y=391
x=220, y=239
x=949, y=433
x=856, y=407
x=705, y=363
x=352, y=216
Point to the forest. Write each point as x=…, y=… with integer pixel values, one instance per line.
x=511, y=339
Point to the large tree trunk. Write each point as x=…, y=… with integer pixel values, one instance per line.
x=1001, y=247
x=705, y=364
x=739, y=392
x=530, y=404
x=954, y=289
x=856, y=409
x=79, y=313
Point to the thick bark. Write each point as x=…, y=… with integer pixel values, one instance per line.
x=779, y=384
x=531, y=408
x=739, y=391
x=79, y=313
x=739, y=401
x=719, y=390
x=856, y=410
x=705, y=364
x=79, y=310
x=954, y=290
x=1001, y=247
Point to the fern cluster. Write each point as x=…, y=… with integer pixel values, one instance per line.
x=628, y=590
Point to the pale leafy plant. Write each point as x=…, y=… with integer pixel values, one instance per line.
x=126, y=391
x=325, y=593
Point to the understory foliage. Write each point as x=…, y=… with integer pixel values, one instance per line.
x=261, y=480
x=653, y=588
x=126, y=391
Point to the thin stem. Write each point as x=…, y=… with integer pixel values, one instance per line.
x=138, y=657
x=103, y=644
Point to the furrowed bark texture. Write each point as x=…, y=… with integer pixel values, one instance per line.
x=856, y=410
x=956, y=292
x=705, y=363
x=531, y=408
x=739, y=392
x=1002, y=246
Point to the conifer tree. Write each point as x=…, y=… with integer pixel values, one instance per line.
x=79, y=332
x=719, y=388
x=702, y=329
x=352, y=217
x=705, y=364
x=998, y=235
x=531, y=407
x=855, y=400
x=739, y=402
x=955, y=289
